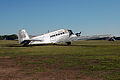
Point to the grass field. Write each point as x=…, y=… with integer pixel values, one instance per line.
x=83, y=60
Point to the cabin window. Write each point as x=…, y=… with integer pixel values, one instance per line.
x=57, y=34
x=52, y=36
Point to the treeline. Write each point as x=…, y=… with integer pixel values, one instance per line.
x=8, y=37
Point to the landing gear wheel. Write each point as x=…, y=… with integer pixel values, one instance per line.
x=25, y=45
x=68, y=43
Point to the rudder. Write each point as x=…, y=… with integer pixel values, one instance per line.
x=22, y=35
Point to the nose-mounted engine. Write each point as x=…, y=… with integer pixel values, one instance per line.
x=70, y=32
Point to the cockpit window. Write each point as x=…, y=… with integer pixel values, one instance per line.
x=70, y=32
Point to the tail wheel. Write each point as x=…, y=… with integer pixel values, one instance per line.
x=68, y=43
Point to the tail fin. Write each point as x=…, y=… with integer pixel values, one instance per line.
x=22, y=35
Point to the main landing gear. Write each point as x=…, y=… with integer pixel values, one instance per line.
x=68, y=43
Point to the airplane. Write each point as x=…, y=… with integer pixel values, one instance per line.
x=97, y=37
x=58, y=36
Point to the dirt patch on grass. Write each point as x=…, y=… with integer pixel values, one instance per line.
x=3, y=57
x=30, y=68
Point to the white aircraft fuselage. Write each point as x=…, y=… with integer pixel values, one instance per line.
x=58, y=36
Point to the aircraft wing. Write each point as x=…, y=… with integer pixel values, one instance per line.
x=29, y=40
x=95, y=37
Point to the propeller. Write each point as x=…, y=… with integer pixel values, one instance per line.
x=78, y=34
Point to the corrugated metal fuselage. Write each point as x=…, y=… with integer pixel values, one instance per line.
x=58, y=36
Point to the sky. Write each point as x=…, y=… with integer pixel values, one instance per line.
x=91, y=17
